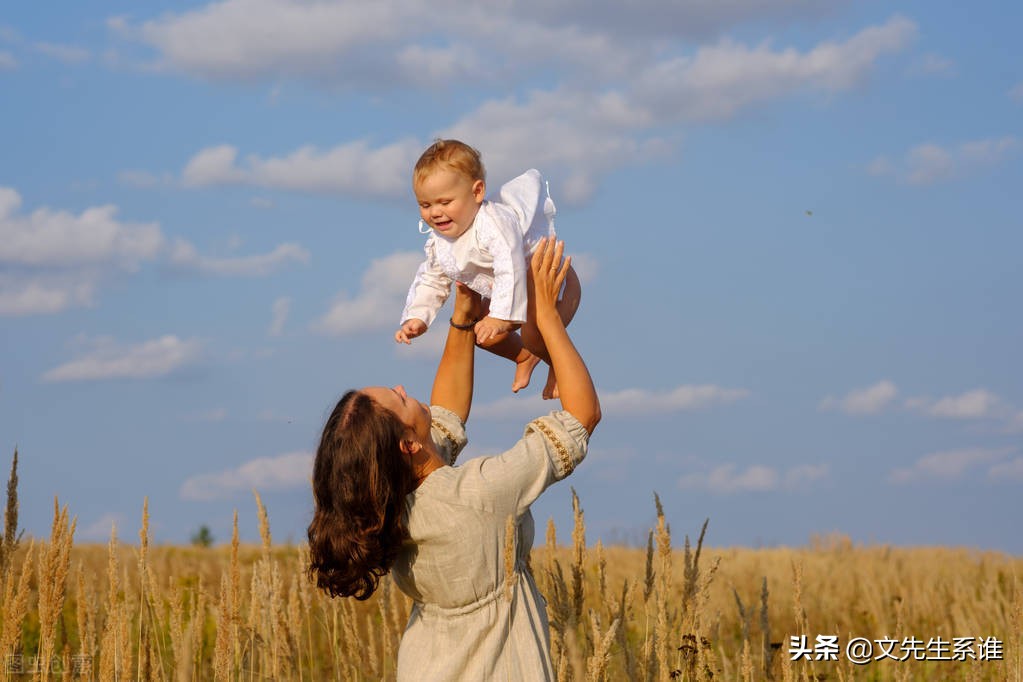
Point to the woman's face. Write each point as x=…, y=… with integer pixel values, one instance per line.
x=412, y=413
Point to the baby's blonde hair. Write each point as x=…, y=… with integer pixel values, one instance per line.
x=452, y=154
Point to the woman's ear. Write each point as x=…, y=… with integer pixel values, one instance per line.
x=410, y=446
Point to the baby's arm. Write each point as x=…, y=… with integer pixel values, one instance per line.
x=429, y=291
x=409, y=330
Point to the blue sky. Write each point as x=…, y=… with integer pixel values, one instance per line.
x=797, y=224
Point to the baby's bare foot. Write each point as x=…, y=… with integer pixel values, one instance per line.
x=524, y=372
x=550, y=391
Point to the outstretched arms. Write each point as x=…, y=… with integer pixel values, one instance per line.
x=452, y=387
x=547, y=273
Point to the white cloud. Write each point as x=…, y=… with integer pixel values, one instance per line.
x=721, y=79
x=693, y=19
x=350, y=43
x=228, y=39
x=281, y=308
x=184, y=255
x=7, y=61
x=380, y=299
x=59, y=238
x=69, y=54
x=103, y=358
x=627, y=98
x=44, y=294
x=58, y=259
x=1010, y=470
x=948, y=465
x=930, y=163
x=626, y=402
x=441, y=64
x=976, y=404
x=353, y=168
x=1016, y=93
x=688, y=397
x=288, y=471
x=870, y=400
x=728, y=478
x=594, y=133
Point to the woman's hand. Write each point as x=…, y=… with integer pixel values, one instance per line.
x=575, y=385
x=468, y=305
x=452, y=387
x=549, y=271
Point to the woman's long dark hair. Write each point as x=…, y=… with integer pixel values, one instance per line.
x=360, y=480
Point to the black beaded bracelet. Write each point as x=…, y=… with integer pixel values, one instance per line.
x=462, y=327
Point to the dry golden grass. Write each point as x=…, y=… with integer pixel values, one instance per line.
x=246, y=613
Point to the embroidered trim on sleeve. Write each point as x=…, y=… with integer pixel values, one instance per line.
x=567, y=462
x=449, y=437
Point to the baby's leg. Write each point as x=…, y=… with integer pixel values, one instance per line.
x=510, y=346
x=570, y=296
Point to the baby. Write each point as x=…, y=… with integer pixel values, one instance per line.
x=486, y=246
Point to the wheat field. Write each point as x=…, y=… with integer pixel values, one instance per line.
x=677, y=610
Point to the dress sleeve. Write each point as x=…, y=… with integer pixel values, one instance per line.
x=550, y=449
x=429, y=290
x=503, y=240
x=448, y=433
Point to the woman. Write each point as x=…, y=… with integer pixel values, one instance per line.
x=388, y=498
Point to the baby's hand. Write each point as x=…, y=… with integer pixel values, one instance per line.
x=489, y=327
x=410, y=330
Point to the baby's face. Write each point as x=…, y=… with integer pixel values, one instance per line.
x=449, y=201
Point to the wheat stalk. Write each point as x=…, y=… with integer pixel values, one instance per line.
x=596, y=664
x=578, y=555
x=54, y=564
x=663, y=623
x=9, y=542
x=16, y=598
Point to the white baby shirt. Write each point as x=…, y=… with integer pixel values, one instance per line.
x=490, y=257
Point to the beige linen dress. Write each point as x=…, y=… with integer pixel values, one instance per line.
x=467, y=623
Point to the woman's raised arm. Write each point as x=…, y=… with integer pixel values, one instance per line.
x=452, y=387
x=548, y=271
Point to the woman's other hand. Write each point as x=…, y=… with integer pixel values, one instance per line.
x=575, y=385
x=549, y=269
